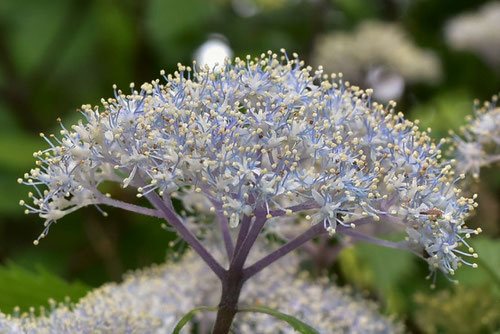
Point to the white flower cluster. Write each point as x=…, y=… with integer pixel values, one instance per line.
x=154, y=300
x=479, y=145
x=379, y=55
x=263, y=137
x=477, y=32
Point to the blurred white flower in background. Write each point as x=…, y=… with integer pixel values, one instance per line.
x=378, y=55
x=478, y=32
x=213, y=51
x=386, y=85
x=245, y=8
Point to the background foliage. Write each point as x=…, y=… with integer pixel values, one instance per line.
x=56, y=55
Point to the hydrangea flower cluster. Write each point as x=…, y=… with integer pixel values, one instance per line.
x=249, y=137
x=479, y=145
x=380, y=55
x=477, y=32
x=255, y=141
x=153, y=300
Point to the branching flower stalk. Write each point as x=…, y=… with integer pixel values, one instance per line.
x=323, y=253
x=250, y=143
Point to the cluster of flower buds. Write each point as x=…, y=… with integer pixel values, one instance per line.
x=479, y=144
x=154, y=300
x=264, y=137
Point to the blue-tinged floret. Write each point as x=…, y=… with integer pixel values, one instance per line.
x=479, y=144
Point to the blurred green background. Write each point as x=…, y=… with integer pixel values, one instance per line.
x=56, y=55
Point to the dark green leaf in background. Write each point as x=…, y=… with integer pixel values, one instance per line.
x=24, y=288
x=488, y=270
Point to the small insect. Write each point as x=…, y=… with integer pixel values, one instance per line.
x=432, y=212
x=425, y=254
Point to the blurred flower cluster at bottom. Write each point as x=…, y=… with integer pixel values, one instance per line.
x=153, y=300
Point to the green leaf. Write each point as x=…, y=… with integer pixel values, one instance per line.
x=357, y=10
x=444, y=112
x=185, y=319
x=33, y=26
x=379, y=269
x=488, y=270
x=24, y=288
x=179, y=23
x=298, y=325
x=169, y=18
x=385, y=265
x=489, y=255
x=16, y=151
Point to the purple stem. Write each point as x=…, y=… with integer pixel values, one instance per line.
x=242, y=254
x=373, y=240
x=224, y=227
x=242, y=234
x=311, y=233
x=130, y=207
x=233, y=281
x=168, y=202
x=228, y=241
x=170, y=216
